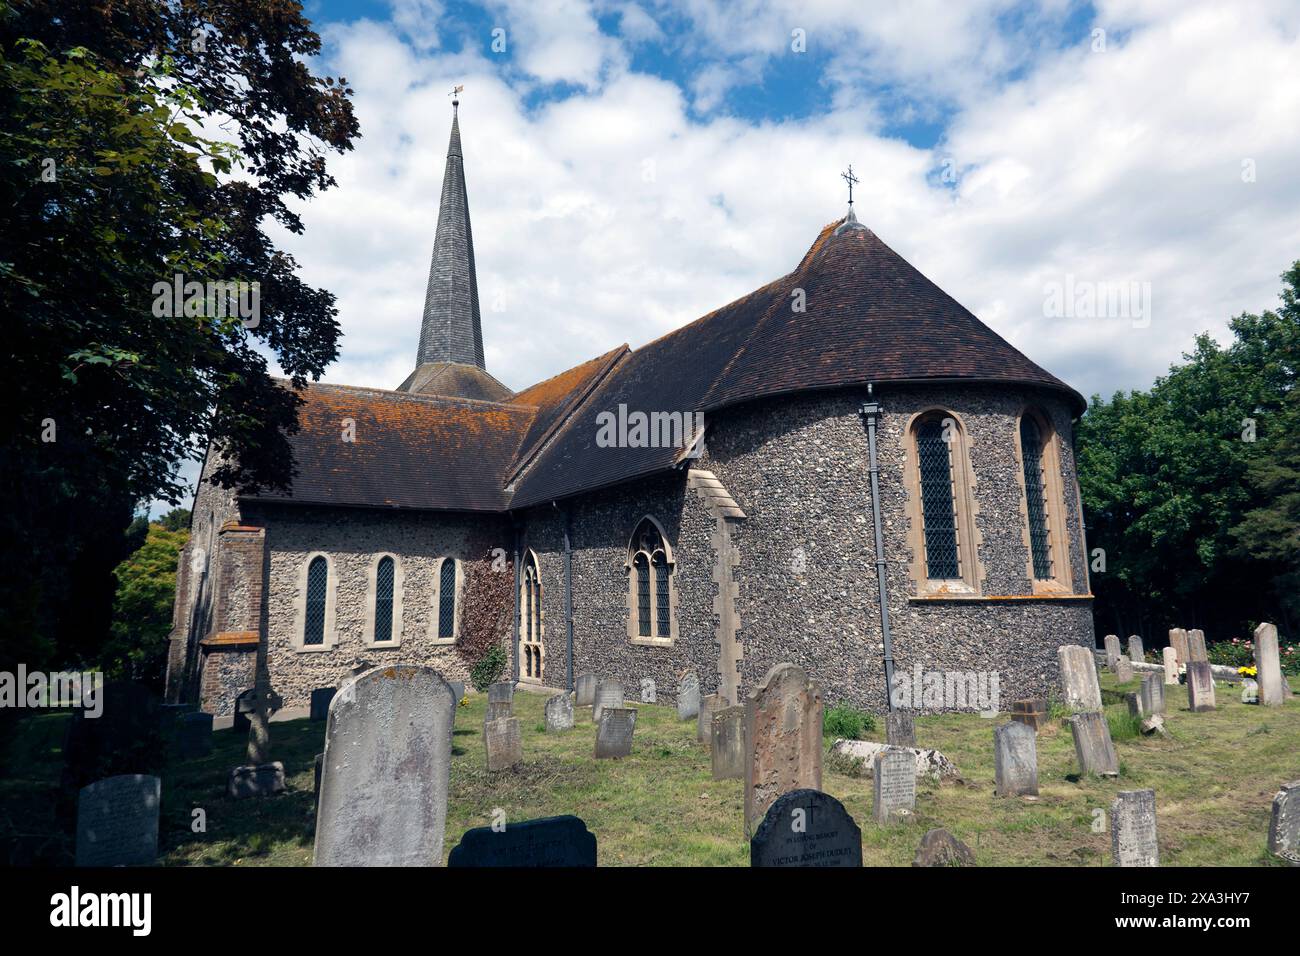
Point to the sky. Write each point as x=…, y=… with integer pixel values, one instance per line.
x=1099, y=183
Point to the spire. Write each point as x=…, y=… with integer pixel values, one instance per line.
x=451, y=330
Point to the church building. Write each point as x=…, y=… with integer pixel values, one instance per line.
x=844, y=469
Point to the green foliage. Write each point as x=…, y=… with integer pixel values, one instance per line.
x=489, y=668
x=142, y=609
x=846, y=765
x=178, y=519
x=845, y=720
x=1123, y=725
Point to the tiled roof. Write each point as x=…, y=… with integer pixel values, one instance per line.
x=455, y=380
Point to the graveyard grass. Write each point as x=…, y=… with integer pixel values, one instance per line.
x=1214, y=776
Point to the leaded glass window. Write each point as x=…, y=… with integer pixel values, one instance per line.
x=317, y=587
x=938, y=506
x=641, y=568
x=447, y=599
x=1031, y=452
x=384, y=579
x=662, y=620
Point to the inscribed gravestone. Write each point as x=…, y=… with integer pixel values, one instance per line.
x=1136, y=652
x=783, y=739
x=1133, y=829
x=1092, y=744
x=552, y=841
x=1015, y=760
x=503, y=743
x=194, y=735
x=1112, y=650
x=383, y=799
x=895, y=785
x=1284, y=826
x=1268, y=666
x=1169, y=656
x=320, y=702
x=806, y=828
x=900, y=729
x=709, y=706
x=1123, y=670
x=1196, y=646
x=609, y=693
x=1153, y=694
x=1079, y=677
x=614, y=732
x=559, y=713
x=117, y=821
x=648, y=695
x=688, y=697
x=585, y=688
x=1200, y=686
x=728, y=743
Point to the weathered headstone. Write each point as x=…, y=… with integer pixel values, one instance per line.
x=265, y=703
x=1153, y=694
x=688, y=697
x=497, y=710
x=806, y=828
x=1200, y=686
x=320, y=702
x=1032, y=712
x=895, y=785
x=940, y=848
x=1284, y=826
x=255, y=780
x=1134, y=702
x=609, y=693
x=900, y=729
x=1123, y=670
x=1178, y=641
x=1136, y=652
x=1015, y=760
x=503, y=743
x=783, y=739
x=501, y=700
x=559, y=713
x=1133, y=829
x=552, y=841
x=194, y=735
x=1268, y=666
x=1079, y=684
x=709, y=706
x=245, y=704
x=383, y=799
x=585, y=688
x=1113, y=651
x=1249, y=691
x=117, y=821
x=1092, y=744
x=648, y=693
x=1196, y=650
x=728, y=743
x=614, y=732
x=1169, y=656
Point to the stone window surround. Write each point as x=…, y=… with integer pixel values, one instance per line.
x=969, y=538
x=372, y=595
x=633, y=634
x=539, y=645
x=331, y=637
x=437, y=602
x=1055, y=505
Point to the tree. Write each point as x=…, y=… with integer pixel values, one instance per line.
x=142, y=609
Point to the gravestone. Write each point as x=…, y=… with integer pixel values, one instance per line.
x=1249, y=691
x=895, y=785
x=1196, y=646
x=806, y=828
x=609, y=693
x=265, y=703
x=1133, y=829
x=1200, y=686
x=614, y=732
x=648, y=695
x=1169, y=656
x=1123, y=670
x=688, y=697
x=1113, y=651
x=1015, y=760
x=498, y=710
x=383, y=799
x=1284, y=826
x=1134, y=702
x=457, y=689
x=1079, y=684
x=320, y=702
x=1032, y=712
x=245, y=704
x=552, y=841
x=940, y=848
x=503, y=743
x=900, y=729
x=559, y=713
x=709, y=706
x=168, y=715
x=117, y=821
x=194, y=735
x=585, y=688
x=728, y=743
x=126, y=738
x=1268, y=666
x=1092, y=744
x=1153, y=694
x=1136, y=652
x=1178, y=641
x=783, y=739
x=255, y=780
x=502, y=692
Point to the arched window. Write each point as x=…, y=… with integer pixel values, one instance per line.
x=317, y=594
x=651, y=598
x=1048, y=562
x=447, y=599
x=941, y=523
x=1031, y=451
x=938, y=503
x=384, y=578
x=531, y=621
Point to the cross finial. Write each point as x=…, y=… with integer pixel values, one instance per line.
x=455, y=95
x=850, y=179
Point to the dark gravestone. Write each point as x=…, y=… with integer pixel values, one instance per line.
x=553, y=841
x=900, y=729
x=806, y=828
x=117, y=821
x=320, y=702
x=194, y=735
x=245, y=704
x=1032, y=712
x=614, y=733
x=168, y=714
x=126, y=737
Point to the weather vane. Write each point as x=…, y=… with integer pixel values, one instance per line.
x=850, y=179
x=455, y=95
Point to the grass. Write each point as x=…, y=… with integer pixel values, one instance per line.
x=1214, y=776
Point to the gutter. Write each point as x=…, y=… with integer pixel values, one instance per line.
x=870, y=412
